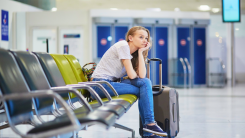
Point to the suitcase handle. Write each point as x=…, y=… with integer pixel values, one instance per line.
x=173, y=106
x=160, y=70
x=155, y=59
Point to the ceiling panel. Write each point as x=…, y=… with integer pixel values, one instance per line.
x=166, y=5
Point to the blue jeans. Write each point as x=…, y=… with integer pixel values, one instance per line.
x=142, y=88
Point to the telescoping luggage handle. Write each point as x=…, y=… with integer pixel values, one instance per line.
x=160, y=70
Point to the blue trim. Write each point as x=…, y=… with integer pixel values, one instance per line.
x=199, y=56
x=161, y=39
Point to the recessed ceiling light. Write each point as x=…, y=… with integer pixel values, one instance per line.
x=113, y=8
x=176, y=9
x=215, y=10
x=204, y=8
x=237, y=29
x=154, y=9
x=54, y=9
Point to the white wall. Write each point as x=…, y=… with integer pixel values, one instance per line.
x=11, y=7
x=20, y=33
x=62, y=19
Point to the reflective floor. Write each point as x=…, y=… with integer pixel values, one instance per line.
x=204, y=113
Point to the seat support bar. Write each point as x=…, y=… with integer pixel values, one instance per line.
x=125, y=128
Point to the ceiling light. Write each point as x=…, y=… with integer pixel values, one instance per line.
x=154, y=9
x=215, y=10
x=114, y=9
x=237, y=29
x=217, y=34
x=54, y=9
x=176, y=9
x=204, y=8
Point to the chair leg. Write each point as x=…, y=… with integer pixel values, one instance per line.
x=74, y=134
x=125, y=128
x=4, y=126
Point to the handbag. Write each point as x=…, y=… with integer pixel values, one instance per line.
x=88, y=72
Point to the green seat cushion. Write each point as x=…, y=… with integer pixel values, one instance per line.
x=66, y=71
x=127, y=97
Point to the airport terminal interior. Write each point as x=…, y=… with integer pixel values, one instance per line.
x=196, y=55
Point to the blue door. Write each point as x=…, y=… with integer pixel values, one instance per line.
x=120, y=33
x=183, y=45
x=199, y=56
x=103, y=39
x=161, y=41
x=183, y=34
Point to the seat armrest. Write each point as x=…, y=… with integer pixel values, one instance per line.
x=75, y=125
x=96, y=83
x=71, y=88
x=92, y=91
x=103, y=82
x=108, y=96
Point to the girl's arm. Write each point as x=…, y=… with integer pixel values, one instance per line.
x=141, y=69
x=129, y=68
x=141, y=72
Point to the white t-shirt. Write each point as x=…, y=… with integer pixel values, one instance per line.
x=111, y=66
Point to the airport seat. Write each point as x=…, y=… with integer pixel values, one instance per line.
x=17, y=100
x=12, y=79
x=36, y=80
x=65, y=68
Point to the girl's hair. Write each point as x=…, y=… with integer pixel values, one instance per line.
x=135, y=60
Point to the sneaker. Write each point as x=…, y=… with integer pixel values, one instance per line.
x=153, y=136
x=155, y=130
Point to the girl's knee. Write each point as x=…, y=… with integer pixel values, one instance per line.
x=146, y=81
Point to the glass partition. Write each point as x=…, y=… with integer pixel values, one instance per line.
x=216, y=72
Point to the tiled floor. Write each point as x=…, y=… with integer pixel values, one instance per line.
x=204, y=113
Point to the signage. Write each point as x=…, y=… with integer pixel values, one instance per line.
x=199, y=42
x=71, y=35
x=103, y=41
x=72, y=43
x=5, y=25
x=66, y=49
x=231, y=11
x=183, y=42
x=161, y=42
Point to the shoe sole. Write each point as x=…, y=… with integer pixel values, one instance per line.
x=156, y=133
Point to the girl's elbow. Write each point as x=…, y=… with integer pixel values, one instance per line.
x=142, y=76
x=132, y=76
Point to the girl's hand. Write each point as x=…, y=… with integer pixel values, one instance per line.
x=145, y=48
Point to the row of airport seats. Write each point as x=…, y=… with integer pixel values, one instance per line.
x=36, y=84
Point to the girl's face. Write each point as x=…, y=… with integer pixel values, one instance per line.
x=140, y=39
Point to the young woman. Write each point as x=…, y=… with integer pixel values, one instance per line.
x=128, y=57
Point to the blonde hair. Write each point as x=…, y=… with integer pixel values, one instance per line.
x=135, y=60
